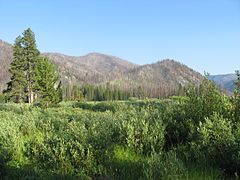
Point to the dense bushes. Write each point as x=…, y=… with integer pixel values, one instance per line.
x=218, y=142
x=164, y=166
x=96, y=107
x=2, y=98
x=177, y=138
x=142, y=131
x=69, y=141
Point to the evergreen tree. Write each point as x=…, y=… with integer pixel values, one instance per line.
x=77, y=94
x=115, y=95
x=33, y=77
x=30, y=55
x=25, y=57
x=180, y=91
x=16, y=90
x=110, y=95
x=47, y=83
x=237, y=98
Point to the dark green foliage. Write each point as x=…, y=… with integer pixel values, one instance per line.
x=181, y=90
x=16, y=89
x=202, y=102
x=94, y=93
x=83, y=105
x=217, y=141
x=101, y=107
x=164, y=166
x=46, y=86
x=2, y=98
x=26, y=58
x=12, y=108
x=33, y=77
x=236, y=100
x=97, y=93
x=71, y=142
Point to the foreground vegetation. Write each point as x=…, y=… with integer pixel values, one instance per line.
x=195, y=137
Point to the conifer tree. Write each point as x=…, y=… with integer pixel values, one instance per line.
x=16, y=90
x=25, y=57
x=30, y=56
x=47, y=84
x=237, y=98
x=33, y=77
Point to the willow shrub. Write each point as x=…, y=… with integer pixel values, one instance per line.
x=70, y=141
x=142, y=131
x=2, y=98
x=218, y=141
x=184, y=117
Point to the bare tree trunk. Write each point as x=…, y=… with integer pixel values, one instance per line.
x=30, y=96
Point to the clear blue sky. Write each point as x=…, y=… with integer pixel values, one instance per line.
x=203, y=34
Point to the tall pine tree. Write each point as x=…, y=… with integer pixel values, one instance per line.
x=25, y=57
x=16, y=90
x=33, y=77
x=30, y=56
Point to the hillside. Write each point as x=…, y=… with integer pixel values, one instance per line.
x=159, y=79
x=225, y=80
x=92, y=68
x=5, y=60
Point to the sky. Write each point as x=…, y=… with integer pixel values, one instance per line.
x=203, y=34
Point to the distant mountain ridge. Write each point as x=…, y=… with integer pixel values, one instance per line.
x=158, y=79
x=93, y=62
x=226, y=81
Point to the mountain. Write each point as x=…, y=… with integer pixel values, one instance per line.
x=92, y=68
x=92, y=62
x=5, y=60
x=225, y=80
x=159, y=79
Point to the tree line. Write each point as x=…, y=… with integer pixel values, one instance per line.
x=94, y=93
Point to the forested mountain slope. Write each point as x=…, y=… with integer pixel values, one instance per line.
x=158, y=79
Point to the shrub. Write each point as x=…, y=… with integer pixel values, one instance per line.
x=142, y=131
x=133, y=99
x=185, y=115
x=163, y=166
x=11, y=107
x=218, y=143
x=2, y=98
x=204, y=101
x=83, y=105
x=102, y=107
